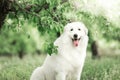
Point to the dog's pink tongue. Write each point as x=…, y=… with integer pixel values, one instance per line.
x=75, y=42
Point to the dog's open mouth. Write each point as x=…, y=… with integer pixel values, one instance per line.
x=76, y=42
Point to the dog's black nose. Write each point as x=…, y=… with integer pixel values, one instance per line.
x=75, y=35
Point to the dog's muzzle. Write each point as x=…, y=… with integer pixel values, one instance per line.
x=75, y=40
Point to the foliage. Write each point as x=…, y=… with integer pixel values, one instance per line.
x=13, y=41
x=50, y=48
x=49, y=17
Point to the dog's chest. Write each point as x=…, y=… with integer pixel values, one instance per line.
x=74, y=57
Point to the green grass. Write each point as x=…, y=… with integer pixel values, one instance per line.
x=15, y=69
x=106, y=68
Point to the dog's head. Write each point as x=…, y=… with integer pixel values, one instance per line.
x=75, y=31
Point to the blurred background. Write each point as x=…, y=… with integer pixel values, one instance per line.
x=28, y=29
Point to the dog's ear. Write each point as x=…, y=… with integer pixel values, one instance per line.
x=57, y=41
x=66, y=28
x=61, y=40
x=86, y=30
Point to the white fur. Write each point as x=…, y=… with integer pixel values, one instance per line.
x=68, y=63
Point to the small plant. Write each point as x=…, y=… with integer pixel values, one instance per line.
x=50, y=48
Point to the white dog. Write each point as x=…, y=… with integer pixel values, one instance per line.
x=68, y=63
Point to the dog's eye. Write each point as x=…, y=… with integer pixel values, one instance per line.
x=79, y=29
x=71, y=29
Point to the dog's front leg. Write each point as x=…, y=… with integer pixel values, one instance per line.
x=61, y=76
x=77, y=74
